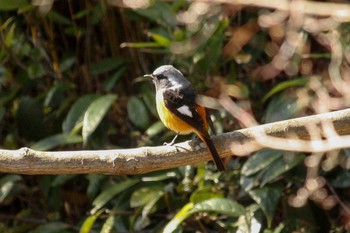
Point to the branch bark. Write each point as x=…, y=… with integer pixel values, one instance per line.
x=147, y=159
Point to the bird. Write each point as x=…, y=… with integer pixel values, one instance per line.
x=178, y=110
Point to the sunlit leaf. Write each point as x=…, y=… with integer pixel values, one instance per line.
x=89, y=222
x=267, y=198
x=6, y=5
x=203, y=194
x=7, y=184
x=161, y=40
x=95, y=113
x=77, y=111
x=155, y=129
x=144, y=195
x=182, y=215
x=110, y=192
x=219, y=205
x=57, y=140
x=259, y=161
x=109, y=224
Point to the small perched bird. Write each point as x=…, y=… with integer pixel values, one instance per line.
x=178, y=110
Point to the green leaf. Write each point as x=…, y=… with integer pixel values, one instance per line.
x=94, y=184
x=7, y=184
x=95, y=113
x=30, y=119
x=67, y=63
x=141, y=45
x=281, y=108
x=267, y=198
x=138, y=113
x=182, y=215
x=216, y=205
x=52, y=227
x=58, y=18
x=219, y=205
x=259, y=161
x=341, y=180
x=161, y=40
x=62, y=179
x=144, y=195
x=6, y=5
x=155, y=129
x=106, y=65
x=109, y=225
x=36, y=70
x=284, y=85
x=203, y=194
x=282, y=165
x=57, y=140
x=76, y=113
x=110, y=192
x=89, y=222
x=111, y=82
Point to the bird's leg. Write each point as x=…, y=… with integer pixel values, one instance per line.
x=172, y=141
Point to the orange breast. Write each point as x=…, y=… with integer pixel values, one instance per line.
x=173, y=122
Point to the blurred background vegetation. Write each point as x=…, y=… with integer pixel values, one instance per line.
x=71, y=79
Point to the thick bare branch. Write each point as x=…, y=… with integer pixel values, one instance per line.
x=147, y=159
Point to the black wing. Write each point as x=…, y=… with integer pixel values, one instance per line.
x=175, y=99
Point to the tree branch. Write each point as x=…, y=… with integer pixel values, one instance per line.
x=147, y=159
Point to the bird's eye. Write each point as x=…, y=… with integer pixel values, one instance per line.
x=160, y=76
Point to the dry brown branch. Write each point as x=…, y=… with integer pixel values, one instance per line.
x=147, y=159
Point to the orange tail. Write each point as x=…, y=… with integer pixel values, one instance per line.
x=214, y=153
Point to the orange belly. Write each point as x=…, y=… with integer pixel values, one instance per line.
x=171, y=121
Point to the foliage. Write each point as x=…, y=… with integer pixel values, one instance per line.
x=71, y=78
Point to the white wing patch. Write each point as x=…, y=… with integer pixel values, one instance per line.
x=185, y=110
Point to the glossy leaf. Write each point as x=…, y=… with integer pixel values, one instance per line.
x=76, y=113
x=203, y=194
x=89, y=222
x=110, y=192
x=281, y=108
x=182, y=215
x=7, y=184
x=144, y=195
x=220, y=206
x=282, y=165
x=95, y=113
x=259, y=161
x=138, y=113
x=56, y=140
x=268, y=199
x=284, y=85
